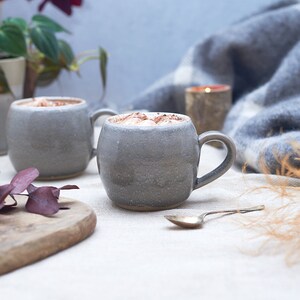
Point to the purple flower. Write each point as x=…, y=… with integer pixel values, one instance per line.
x=64, y=5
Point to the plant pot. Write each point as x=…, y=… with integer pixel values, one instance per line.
x=14, y=71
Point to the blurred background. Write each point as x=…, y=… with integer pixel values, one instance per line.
x=145, y=39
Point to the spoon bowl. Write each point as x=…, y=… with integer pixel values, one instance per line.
x=185, y=221
x=197, y=221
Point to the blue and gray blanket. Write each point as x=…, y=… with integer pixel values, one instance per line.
x=260, y=58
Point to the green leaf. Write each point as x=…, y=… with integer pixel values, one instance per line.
x=41, y=20
x=103, y=66
x=46, y=42
x=12, y=40
x=103, y=58
x=21, y=23
x=48, y=76
x=66, y=52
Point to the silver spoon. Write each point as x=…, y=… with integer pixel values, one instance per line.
x=197, y=221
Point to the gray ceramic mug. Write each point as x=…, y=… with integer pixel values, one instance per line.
x=57, y=140
x=5, y=101
x=155, y=167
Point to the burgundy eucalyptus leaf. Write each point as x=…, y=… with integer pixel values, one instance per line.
x=23, y=179
x=4, y=192
x=56, y=191
x=42, y=201
x=69, y=187
x=31, y=188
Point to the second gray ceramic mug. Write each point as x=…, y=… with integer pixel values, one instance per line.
x=155, y=167
x=57, y=140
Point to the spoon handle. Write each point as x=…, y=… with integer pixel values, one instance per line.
x=234, y=211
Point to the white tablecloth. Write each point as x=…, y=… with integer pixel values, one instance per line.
x=134, y=255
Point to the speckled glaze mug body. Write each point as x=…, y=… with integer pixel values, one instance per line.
x=57, y=140
x=149, y=168
x=5, y=102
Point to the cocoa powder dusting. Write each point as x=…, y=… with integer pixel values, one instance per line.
x=44, y=102
x=141, y=119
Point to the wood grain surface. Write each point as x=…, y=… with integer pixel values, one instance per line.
x=26, y=237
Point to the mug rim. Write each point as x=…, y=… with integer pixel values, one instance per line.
x=18, y=103
x=185, y=120
x=212, y=88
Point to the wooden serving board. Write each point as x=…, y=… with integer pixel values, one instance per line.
x=26, y=238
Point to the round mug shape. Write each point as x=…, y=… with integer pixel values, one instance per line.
x=148, y=168
x=57, y=140
x=5, y=102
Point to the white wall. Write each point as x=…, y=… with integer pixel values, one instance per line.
x=145, y=38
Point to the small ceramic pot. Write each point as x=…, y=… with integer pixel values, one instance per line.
x=155, y=167
x=57, y=140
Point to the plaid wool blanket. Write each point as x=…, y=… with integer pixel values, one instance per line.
x=260, y=58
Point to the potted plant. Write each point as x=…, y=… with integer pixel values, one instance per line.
x=45, y=54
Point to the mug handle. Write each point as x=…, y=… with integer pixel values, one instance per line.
x=225, y=165
x=93, y=118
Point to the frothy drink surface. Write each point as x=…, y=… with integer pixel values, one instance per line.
x=44, y=102
x=140, y=119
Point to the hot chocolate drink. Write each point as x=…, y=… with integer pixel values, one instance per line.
x=45, y=102
x=149, y=161
x=141, y=119
x=53, y=134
